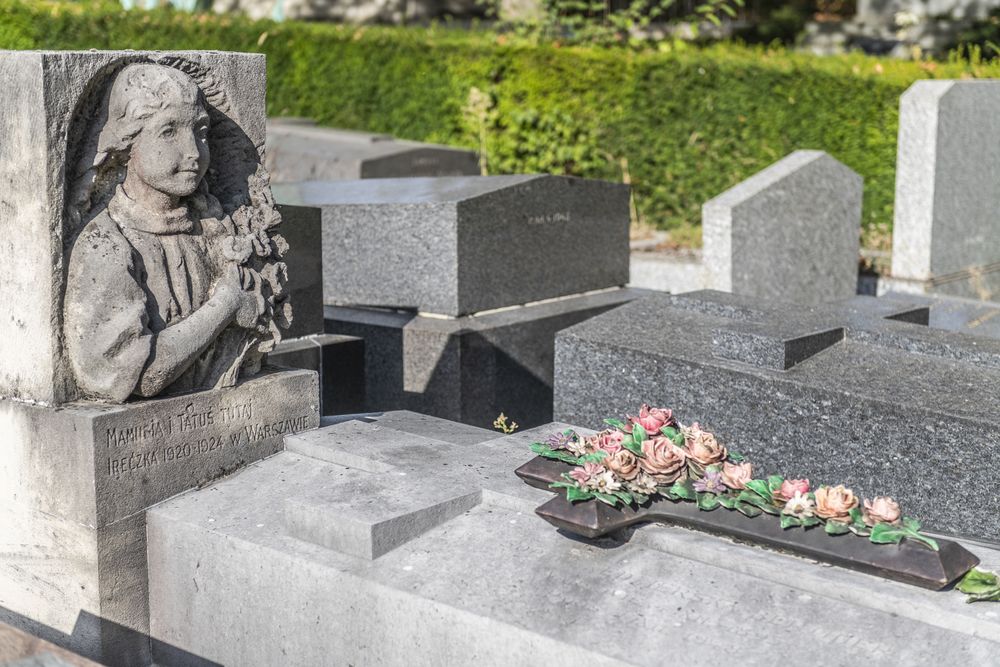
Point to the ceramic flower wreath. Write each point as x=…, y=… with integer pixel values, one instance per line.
x=654, y=455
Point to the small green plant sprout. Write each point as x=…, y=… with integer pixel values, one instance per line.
x=503, y=425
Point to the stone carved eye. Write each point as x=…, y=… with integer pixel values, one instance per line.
x=168, y=133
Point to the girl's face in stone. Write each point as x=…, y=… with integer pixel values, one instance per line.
x=170, y=154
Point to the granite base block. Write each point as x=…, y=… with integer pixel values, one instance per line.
x=474, y=577
x=75, y=484
x=887, y=406
x=340, y=362
x=467, y=369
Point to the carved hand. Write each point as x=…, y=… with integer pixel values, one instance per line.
x=248, y=305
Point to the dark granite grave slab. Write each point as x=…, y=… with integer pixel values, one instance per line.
x=468, y=369
x=300, y=225
x=340, y=362
x=859, y=392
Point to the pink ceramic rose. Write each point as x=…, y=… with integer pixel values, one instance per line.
x=622, y=463
x=609, y=441
x=702, y=446
x=790, y=487
x=662, y=460
x=653, y=419
x=736, y=475
x=834, y=503
x=881, y=510
x=587, y=472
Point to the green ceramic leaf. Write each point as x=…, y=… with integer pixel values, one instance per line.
x=979, y=582
x=640, y=498
x=753, y=499
x=684, y=490
x=624, y=496
x=860, y=529
x=542, y=449
x=788, y=521
x=911, y=523
x=678, y=439
x=857, y=517
x=748, y=510
x=729, y=502
x=708, y=501
x=606, y=498
x=774, y=483
x=639, y=433
x=736, y=457
x=927, y=541
x=760, y=487
x=562, y=485
x=835, y=528
x=669, y=431
x=811, y=521
x=617, y=423
x=575, y=494
x=630, y=444
x=592, y=457
x=883, y=533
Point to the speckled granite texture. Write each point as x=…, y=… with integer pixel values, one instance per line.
x=886, y=406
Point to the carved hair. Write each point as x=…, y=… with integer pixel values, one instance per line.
x=136, y=92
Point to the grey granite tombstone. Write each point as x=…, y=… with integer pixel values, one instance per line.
x=458, y=285
x=455, y=246
x=386, y=535
x=790, y=232
x=145, y=285
x=945, y=232
x=303, y=152
x=861, y=392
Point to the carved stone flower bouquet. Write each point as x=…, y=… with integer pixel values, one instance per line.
x=256, y=250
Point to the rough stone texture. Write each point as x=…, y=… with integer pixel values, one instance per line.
x=302, y=152
x=300, y=225
x=494, y=584
x=858, y=393
x=340, y=362
x=76, y=482
x=469, y=369
x=20, y=649
x=455, y=246
x=52, y=95
x=667, y=271
x=947, y=190
x=969, y=316
x=790, y=232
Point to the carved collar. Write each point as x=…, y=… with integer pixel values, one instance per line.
x=129, y=213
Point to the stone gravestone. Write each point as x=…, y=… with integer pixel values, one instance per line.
x=145, y=283
x=304, y=152
x=458, y=285
x=945, y=230
x=790, y=232
x=388, y=532
x=860, y=392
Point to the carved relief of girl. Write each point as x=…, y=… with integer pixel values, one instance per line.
x=158, y=297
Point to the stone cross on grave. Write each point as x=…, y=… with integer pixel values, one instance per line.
x=394, y=487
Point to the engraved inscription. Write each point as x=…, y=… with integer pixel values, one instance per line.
x=549, y=218
x=197, y=430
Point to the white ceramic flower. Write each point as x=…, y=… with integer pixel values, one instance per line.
x=605, y=482
x=643, y=484
x=799, y=506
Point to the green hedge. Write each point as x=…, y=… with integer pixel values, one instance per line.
x=682, y=123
